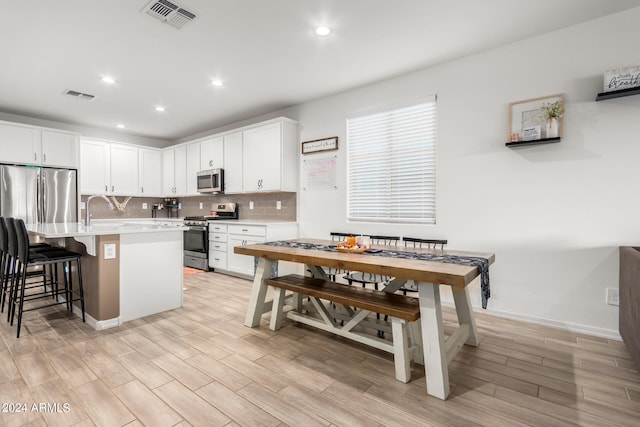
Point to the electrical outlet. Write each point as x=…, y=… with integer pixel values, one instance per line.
x=613, y=296
x=200, y=205
x=144, y=206
x=278, y=205
x=250, y=204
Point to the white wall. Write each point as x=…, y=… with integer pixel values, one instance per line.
x=554, y=214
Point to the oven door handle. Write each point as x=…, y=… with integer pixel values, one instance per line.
x=197, y=228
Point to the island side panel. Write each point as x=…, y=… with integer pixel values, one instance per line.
x=151, y=273
x=100, y=278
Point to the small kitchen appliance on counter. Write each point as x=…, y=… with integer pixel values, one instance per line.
x=196, y=238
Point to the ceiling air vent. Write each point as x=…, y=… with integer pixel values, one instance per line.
x=79, y=95
x=169, y=13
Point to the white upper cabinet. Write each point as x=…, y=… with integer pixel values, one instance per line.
x=95, y=173
x=19, y=144
x=124, y=170
x=192, y=168
x=174, y=170
x=212, y=154
x=233, y=163
x=150, y=172
x=168, y=172
x=107, y=168
x=270, y=157
x=36, y=146
x=59, y=149
x=181, y=170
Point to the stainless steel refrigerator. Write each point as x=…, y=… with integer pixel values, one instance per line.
x=37, y=194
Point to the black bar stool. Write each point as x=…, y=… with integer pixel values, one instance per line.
x=8, y=258
x=28, y=258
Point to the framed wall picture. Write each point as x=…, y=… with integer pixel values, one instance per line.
x=317, y=145
x=532, y=119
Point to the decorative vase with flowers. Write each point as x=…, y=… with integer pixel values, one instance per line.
x=551, y=112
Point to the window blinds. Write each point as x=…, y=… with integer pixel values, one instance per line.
x=392, y=165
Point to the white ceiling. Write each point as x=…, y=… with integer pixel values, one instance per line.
x=264, y=50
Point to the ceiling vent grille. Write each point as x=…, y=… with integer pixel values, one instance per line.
x=79, y=95
x=169, y=13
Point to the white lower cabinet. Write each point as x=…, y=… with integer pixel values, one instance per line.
x=217, y=246
x=251, y=234
x=243, y=235
x=224, y=237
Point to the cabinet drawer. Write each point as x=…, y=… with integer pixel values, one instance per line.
x=248, y=230
x=217, y=228
x=218, y=259
x=217, y=246
x=217, y=237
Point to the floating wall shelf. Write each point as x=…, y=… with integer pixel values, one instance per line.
x=533, y=142
x=618, y=93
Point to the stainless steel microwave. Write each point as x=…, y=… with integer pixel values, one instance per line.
x=211, y=181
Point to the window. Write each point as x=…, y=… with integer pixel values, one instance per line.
x=391, y=162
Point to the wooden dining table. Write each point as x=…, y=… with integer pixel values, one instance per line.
x=437, y=350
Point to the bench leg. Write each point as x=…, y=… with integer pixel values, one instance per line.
x=258, y=293
x=401, y=350
x=465, y=313
x=435, y=357
x=277, y=311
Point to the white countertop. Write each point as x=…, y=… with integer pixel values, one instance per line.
x=97, y=228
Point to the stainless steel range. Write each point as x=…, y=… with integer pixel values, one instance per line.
x=196, y=238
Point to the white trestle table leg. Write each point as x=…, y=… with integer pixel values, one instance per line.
x=465, y=313
x=435, y=359
x=258, y=293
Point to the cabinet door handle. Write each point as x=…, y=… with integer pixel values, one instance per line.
x=210, y=162
x=216, y=259
x=142, y=189
x=44, y=158
x=245, y=230
x=113, y=188
x=106, y=188
x=35, y=157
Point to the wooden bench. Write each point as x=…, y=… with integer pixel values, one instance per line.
x=400, y=309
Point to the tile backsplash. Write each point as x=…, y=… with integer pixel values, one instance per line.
x=264, y=206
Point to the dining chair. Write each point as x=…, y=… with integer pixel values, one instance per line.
x=371, y=278
x=419, y=243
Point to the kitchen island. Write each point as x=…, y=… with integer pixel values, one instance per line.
x=130, y=269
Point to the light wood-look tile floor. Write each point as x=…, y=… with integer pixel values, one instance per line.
x=200, y=366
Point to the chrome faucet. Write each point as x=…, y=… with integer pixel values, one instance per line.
x=87, y=220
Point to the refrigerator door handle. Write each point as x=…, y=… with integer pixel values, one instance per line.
x=40, y=195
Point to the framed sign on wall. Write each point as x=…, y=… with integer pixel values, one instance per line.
x=317, y=145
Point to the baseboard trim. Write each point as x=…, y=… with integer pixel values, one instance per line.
x=98, y=325
x=611, y=334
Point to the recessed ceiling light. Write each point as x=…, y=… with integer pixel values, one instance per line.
x=120, y=126
x=109, y=80
x=160, y=108
x=323, y=30
x=217, y=82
